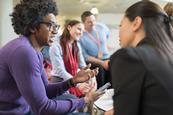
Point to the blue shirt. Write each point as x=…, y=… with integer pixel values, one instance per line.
x=90, y=48
x=45, y=53
x=24, y=84
x=103, y=27
x=45, y=50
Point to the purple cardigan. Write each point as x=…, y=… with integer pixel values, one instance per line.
x=24, y=84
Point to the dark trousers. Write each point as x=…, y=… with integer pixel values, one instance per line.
x=103, y=75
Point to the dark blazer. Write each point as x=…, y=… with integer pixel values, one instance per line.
x=143, y=82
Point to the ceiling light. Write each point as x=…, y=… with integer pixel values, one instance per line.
x=94, y=10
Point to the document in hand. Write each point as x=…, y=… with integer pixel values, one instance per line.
x=105, y=102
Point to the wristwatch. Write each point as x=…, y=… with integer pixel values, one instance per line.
x=70, y=83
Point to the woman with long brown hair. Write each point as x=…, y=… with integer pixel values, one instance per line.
x=66, y=57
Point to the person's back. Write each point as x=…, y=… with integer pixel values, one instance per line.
x=157, y=86
x=141, y=70
x=150, y=78
x=11, y=101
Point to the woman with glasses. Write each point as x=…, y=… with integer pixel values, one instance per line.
x=23, y=82
x=66, y=58
x=142, y=71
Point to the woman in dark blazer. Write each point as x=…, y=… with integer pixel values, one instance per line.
x=142, y=70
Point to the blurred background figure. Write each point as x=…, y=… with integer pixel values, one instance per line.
x=46, y=58
x=94, y=46
x=67, y=58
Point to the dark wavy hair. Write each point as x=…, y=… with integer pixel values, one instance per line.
x=157, y=25
x=29, y=13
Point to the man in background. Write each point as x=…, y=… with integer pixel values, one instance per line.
x=94, y=46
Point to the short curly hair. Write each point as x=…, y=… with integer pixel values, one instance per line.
x=29, y=13
x=168, y=8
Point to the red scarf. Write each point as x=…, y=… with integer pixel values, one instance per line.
x=71, y=64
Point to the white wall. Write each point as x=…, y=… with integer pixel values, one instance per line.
x=6, y=30
x=112, y=21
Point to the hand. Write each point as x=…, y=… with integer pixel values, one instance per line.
x=105, y=64
x=110, y=112
x=85, y=74
x=92, y=96
x=84, y=87
x=93, y=83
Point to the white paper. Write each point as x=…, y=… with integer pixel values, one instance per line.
x=105, y=102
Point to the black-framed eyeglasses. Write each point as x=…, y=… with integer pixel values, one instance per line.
x=51, y=25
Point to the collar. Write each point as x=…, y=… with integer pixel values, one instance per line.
x=145, y=41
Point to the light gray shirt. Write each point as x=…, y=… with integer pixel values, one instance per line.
x=58, y=67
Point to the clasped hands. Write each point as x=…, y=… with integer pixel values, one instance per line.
x=84, y=75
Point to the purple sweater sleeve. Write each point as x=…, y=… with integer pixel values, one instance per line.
x=51, y=88
x=27, y=69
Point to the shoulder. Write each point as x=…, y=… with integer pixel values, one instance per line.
x=125, y=53
x=56, y=46
x=145, y=54
x=78, y=44
x=83, y=37
x=22, y=47
x=102, y=26
x=29, y=52
x=25, y=56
